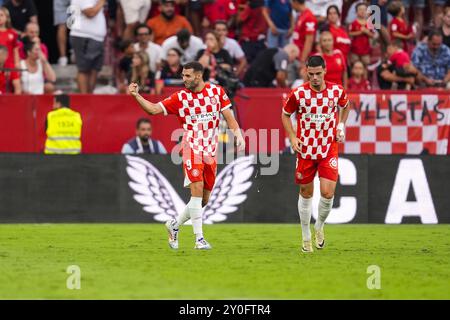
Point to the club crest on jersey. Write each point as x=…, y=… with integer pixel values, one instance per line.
x=195, y=173
x=333, y=163
x=213, y=100
x=330, y=103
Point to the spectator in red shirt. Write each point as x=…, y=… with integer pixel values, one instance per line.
x=305, y=30
x=9, y=80
x=334, y=60
x=398, y=28
x=358, y=80
x=32, y=32
x=219, y=10
x=9, y=38
x=400, y=60
x=253, y=28
x=341, y=38
x=361, y=33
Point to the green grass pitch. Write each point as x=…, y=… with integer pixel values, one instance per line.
x=248, y=261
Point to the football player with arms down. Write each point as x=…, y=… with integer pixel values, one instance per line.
x=322, y=111
x=198, y=109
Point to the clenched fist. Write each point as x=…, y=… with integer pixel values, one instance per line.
x=133, y=88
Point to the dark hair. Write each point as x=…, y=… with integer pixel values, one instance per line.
x=220, y=22
x=142, y=25
x=433, y=33
x=183, y=35
x=197, y=66
x=394, y=8
x=216, y=36
x=315, y=61
x=63, y=99
x=141, y=121
x=299, y=1
x=179, y=53
x=359, y=5
x=333, y=7
x=28, y=45
x=124, y=44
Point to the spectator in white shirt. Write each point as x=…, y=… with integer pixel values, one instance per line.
x=232, y=46
x=188, y=44
x=143, y=35
x=38, y=70
x=135, y=11
x=87, y=37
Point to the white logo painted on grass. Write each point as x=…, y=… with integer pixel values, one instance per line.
x=374, y=280
x=74, y=280
x=157, y=196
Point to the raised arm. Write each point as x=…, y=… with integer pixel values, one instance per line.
x=150, y=108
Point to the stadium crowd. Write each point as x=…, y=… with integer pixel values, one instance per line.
x=252, y=43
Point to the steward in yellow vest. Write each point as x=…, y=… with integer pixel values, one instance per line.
x=63, y=128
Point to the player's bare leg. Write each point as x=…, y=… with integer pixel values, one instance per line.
x=304, y=210
x=327, y=188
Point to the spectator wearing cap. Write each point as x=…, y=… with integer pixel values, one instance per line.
x=253, y=28
x=189, y=45
x=87, y=37
x=232, y=46
x=168, y=23
x=135, y=12
x=142, y=142
x=144, y=43
x=432, y=59
x=278, y=15
x=271, y=65
x=22, y=12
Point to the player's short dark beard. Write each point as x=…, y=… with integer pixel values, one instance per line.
x=168, y=16
x=192, y=85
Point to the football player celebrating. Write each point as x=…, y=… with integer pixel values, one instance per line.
x=322, y=111
x=198, y=108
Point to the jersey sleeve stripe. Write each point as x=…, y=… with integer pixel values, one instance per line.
x=163, y=108
x=228, y=106
x=286, y=113
x=345, y=105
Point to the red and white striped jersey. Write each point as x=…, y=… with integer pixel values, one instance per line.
x=317, y=117
x=199, y=113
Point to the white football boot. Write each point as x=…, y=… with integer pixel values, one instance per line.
x=307, y=247
x=319, y=239
x=202, y=244
x=173, y=234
